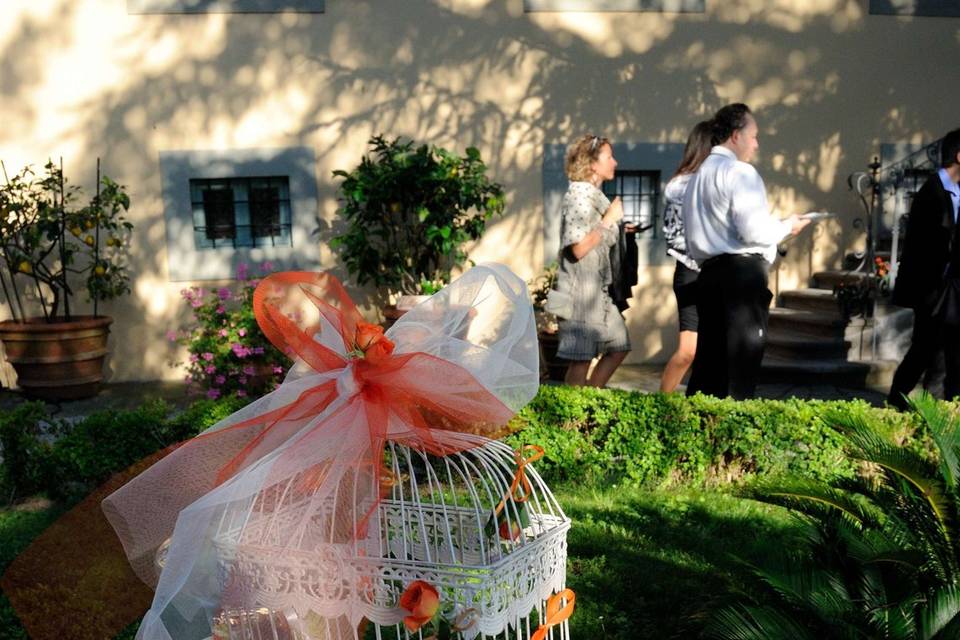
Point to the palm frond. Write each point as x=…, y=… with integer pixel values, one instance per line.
x=757, y=623
x=940, y=610
x=834, y=600
x=945, y=431
x=814, y=499
x=790, y=577
x=895, y=622
x=868, y=446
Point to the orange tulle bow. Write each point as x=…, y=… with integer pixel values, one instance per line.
x=408, y=386
x=557, y=612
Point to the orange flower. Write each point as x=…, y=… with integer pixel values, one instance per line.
x=371, y=342
x=509, y=530
x=422, y=601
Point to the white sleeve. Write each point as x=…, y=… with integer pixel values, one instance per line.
x=749, y=209
x=578, y=217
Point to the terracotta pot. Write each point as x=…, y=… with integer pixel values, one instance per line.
x=390, y=315
x=556, y=367
x=57, y=360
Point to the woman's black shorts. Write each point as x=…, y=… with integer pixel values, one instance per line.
x=685, y=288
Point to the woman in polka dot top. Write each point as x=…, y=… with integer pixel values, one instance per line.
x=588, y=229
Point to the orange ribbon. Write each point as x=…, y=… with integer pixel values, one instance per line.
x=555, y=613
x=402, y=385
x=520, y=482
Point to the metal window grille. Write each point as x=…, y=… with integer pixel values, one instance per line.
x=241, y=212
x=640, y=193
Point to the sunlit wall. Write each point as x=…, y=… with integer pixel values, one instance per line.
x=828, y=81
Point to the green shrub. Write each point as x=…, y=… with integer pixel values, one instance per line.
x=409, y=211
x=199, y=416
x=611, y=435
x=101, y=444
x=25, y=437
x=68, y=461
x=590, y=435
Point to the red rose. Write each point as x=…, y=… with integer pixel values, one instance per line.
x=422, y=601
x=371, y=341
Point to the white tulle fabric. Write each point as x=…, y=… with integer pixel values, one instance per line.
x=303, y=526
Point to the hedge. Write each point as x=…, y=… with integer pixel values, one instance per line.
x=606, y=435
x=67, y=460
x=590, y=435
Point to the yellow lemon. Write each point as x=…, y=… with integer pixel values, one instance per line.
x=89, y=240
x=99, y=270
x=76, y=231
x=88, y=224
x=25, y=267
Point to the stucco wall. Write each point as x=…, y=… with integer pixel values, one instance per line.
x=829, y=83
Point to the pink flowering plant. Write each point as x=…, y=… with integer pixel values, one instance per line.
x=228, y=354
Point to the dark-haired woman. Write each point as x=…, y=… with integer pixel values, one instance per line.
x=685, y=274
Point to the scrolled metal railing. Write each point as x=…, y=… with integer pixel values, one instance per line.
x=899, y=179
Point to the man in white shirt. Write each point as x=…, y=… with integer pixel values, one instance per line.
x=731, y=234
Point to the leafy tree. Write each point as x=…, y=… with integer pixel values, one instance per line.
x=410, y=210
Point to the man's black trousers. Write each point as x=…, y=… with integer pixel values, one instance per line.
x=733, y=306
x=929, y=336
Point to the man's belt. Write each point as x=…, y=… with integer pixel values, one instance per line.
x=724, y=257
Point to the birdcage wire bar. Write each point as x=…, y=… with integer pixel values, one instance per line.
x=434, y=524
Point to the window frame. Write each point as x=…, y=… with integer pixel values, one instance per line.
x=187, y=262
x=916, y=8
x=224, y=6
x=653, y=197
x=237, y=187
x=638, y=6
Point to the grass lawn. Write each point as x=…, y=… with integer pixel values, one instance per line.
x=644, y=563
x=654, y=564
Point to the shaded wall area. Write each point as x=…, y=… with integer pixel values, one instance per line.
x=829, y=83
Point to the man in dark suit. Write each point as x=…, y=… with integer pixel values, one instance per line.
x=929, y=276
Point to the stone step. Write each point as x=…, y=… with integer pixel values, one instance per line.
x=876, y=374
x=830, y=279
x=810, y=300
x=788, y=344
x=810, y=323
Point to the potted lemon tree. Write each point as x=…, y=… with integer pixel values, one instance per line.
x=52, y=247
x=409, y=211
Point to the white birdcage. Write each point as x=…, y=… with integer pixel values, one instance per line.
x=363, y=489
x=453, y=521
